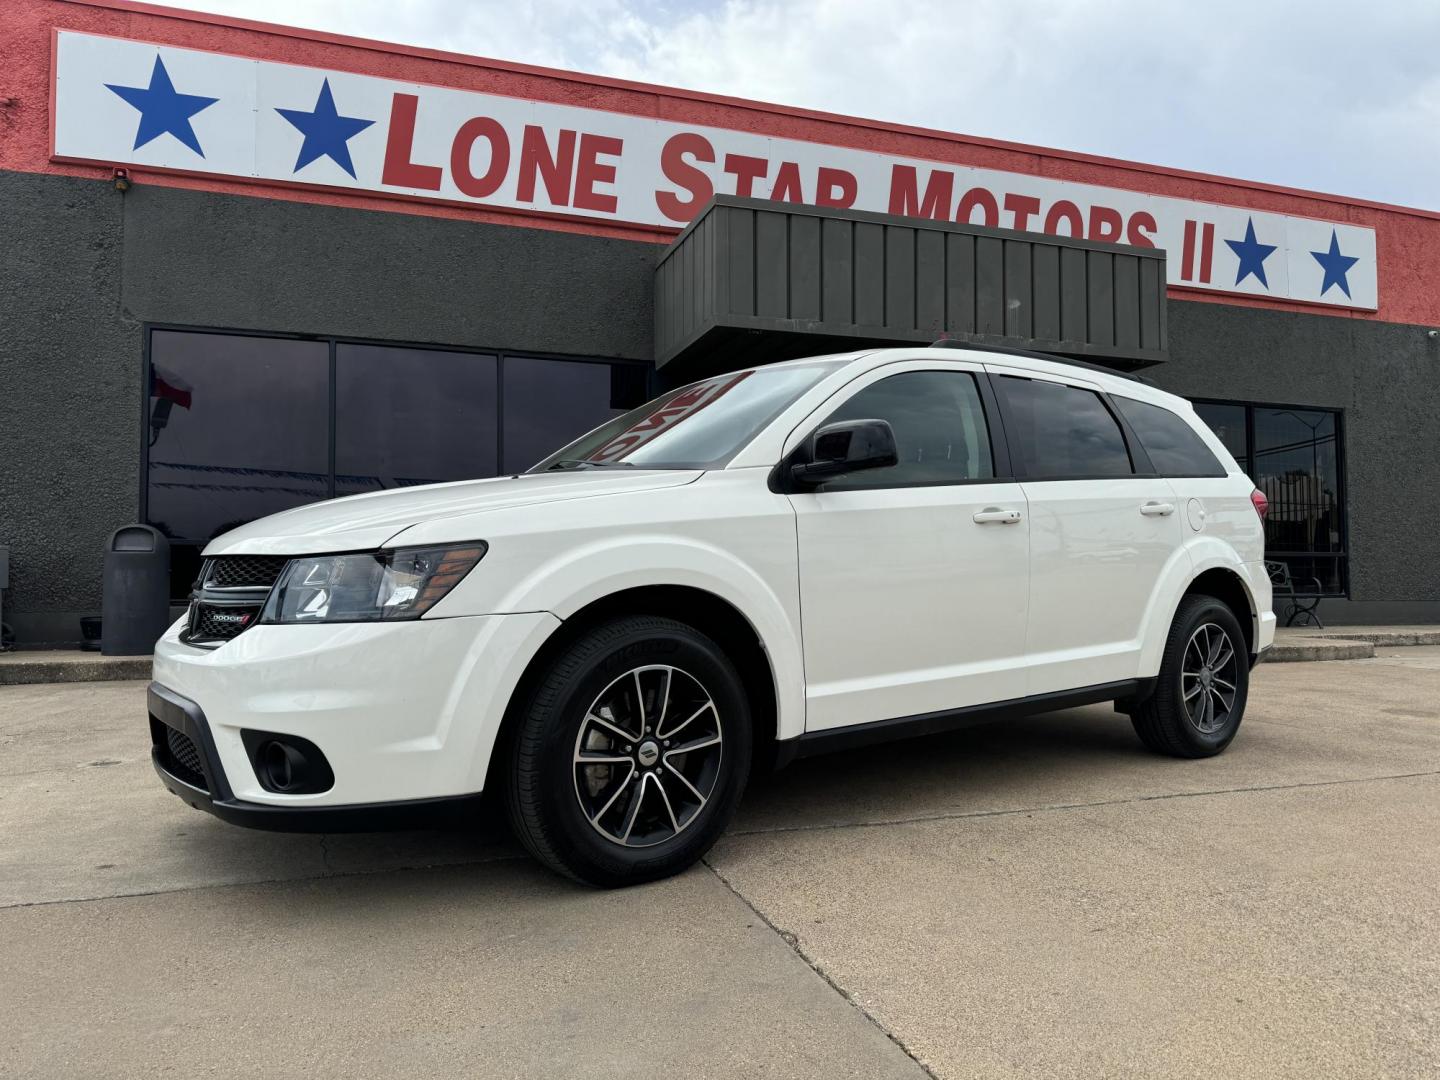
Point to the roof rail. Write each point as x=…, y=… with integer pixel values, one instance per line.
x=1008, y=350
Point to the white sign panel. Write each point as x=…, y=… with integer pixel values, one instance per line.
x=131, y=103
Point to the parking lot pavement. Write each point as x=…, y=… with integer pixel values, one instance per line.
x=1041, y=898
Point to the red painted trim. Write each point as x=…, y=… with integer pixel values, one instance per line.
x=54, y=73
x=1197, y=292
x=325, y=37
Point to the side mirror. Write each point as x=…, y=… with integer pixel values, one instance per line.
x=845, y=447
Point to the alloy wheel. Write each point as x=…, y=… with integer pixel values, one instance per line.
x=647, y=756
x=1208, y=677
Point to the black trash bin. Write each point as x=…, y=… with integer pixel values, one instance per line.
x=135, y=602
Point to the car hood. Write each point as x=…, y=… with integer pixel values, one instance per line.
x=363, y=522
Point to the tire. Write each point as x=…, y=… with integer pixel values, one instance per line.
x=653, y=807
x=1173, y=719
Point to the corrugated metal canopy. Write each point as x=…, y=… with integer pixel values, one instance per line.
x=750, y=281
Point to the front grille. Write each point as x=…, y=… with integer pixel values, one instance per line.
x=243, y=571
x=182, y=758
x=229, y=597
x=216, y=622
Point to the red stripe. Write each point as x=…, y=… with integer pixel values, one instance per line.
x=1187, y=252
x=1207, y=248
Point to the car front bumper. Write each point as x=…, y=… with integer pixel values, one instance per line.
x=209, y=789
x=403, y=712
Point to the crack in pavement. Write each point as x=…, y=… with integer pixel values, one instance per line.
x=959, y=815
x=793, y=941
x=733, y=833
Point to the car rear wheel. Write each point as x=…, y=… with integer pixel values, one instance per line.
x=1199, y=697
x=631, y=753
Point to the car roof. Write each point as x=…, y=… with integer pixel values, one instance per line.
x=1018, y=360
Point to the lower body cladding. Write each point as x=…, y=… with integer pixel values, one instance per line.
x=337, y=726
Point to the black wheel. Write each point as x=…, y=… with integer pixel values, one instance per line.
x=1199, y=698
x=631, y=753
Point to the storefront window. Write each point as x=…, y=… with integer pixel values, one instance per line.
x=536, y=416
x=241, y=426
x=1293, y=456
x=414, y=416
x=1231, y=424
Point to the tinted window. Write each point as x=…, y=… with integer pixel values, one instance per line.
x=550, y=402
x=1297, y=467
x=1061, y=432
x=1228, y=423
x=239, y=427
x=700, y=426
x=939, y=424
x=1171, y=443
x=412, y=416
x=1295, y=460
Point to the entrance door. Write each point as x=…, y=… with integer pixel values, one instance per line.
x=1100, y=535
x=913, y=578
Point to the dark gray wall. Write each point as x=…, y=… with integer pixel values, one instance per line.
x=1386, y=377
x=69, y=397
x=82, y=268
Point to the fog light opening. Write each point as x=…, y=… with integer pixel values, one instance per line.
x=287, y=764
x=285, y=767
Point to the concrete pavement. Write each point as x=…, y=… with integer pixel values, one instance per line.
x=1042, y=898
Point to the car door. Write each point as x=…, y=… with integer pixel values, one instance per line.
x=913, y=586
x=1102, y=529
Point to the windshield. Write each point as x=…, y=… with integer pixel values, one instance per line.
x=700, y=426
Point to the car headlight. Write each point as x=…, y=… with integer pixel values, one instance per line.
x=402, y=583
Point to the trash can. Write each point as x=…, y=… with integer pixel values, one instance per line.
x=7, y=639
x=135, y=596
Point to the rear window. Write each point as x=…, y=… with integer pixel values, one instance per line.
x=1174, y=447
x=1062, y=432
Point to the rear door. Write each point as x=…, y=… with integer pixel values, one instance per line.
x=913, y=578
x=1102, y=528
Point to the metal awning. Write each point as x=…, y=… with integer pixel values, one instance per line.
x=750, y=281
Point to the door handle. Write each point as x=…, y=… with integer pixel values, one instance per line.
x=994, y=515
x=1157, y=509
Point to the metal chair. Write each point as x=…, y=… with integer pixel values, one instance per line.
x=1303, y=607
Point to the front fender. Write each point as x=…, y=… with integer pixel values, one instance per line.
x=576, y=577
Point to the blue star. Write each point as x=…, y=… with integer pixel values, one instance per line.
x=1252, y=255
x=327, y=133
x=1335, y=265
x=162, y=109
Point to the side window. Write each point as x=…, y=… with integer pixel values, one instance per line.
x=939, y=425
x=1061, y=432
x=1173, y=446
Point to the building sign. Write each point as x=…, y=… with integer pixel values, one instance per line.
x=131, y=103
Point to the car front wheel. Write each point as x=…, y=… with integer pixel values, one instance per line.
x=1199, y=697
x=631, y=753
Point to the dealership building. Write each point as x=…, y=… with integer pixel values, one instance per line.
x=247, y=267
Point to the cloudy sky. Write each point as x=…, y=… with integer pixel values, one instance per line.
x=1334, y=96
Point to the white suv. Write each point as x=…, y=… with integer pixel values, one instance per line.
x=762, y=565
